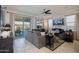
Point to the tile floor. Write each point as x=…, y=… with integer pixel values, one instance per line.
x=23, y=46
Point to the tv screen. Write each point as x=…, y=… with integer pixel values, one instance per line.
x=58, y=21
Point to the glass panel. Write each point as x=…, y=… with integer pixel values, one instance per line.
x=18, y=25
x=21, y=25
x=18, y=22
x=27, y=25
x=70, y=18
x=71, y=24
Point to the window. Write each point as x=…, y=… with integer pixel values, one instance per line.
x=27, y=25
x=71, y=18
x=70, y=22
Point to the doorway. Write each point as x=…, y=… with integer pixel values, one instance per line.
x=22, y=24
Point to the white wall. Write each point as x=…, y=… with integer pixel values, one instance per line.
x=7, y=17
x=77, y=26
x=46, y=24
x=33, y=22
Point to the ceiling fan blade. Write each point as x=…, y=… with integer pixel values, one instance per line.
x=48, y=11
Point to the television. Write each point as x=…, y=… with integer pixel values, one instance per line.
x=59, y=21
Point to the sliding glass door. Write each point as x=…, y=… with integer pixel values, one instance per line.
x=22, y=24
x=19, y=29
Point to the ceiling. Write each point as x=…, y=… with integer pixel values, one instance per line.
x=36, y=10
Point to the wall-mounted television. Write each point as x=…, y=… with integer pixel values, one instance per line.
x=59, y=21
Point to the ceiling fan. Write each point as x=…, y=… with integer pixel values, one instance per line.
x=46, y=11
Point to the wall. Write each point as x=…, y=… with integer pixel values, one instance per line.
x=51, y=26
x=46, y=23
x=77, y=26
x=7, y=17
x=12, y=21
x=61, y=26
x=33, y=22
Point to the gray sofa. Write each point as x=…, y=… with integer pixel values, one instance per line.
x=36, y=38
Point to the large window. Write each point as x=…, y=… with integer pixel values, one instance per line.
x=70, y=22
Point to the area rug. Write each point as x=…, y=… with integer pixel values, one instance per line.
x=57, y=42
